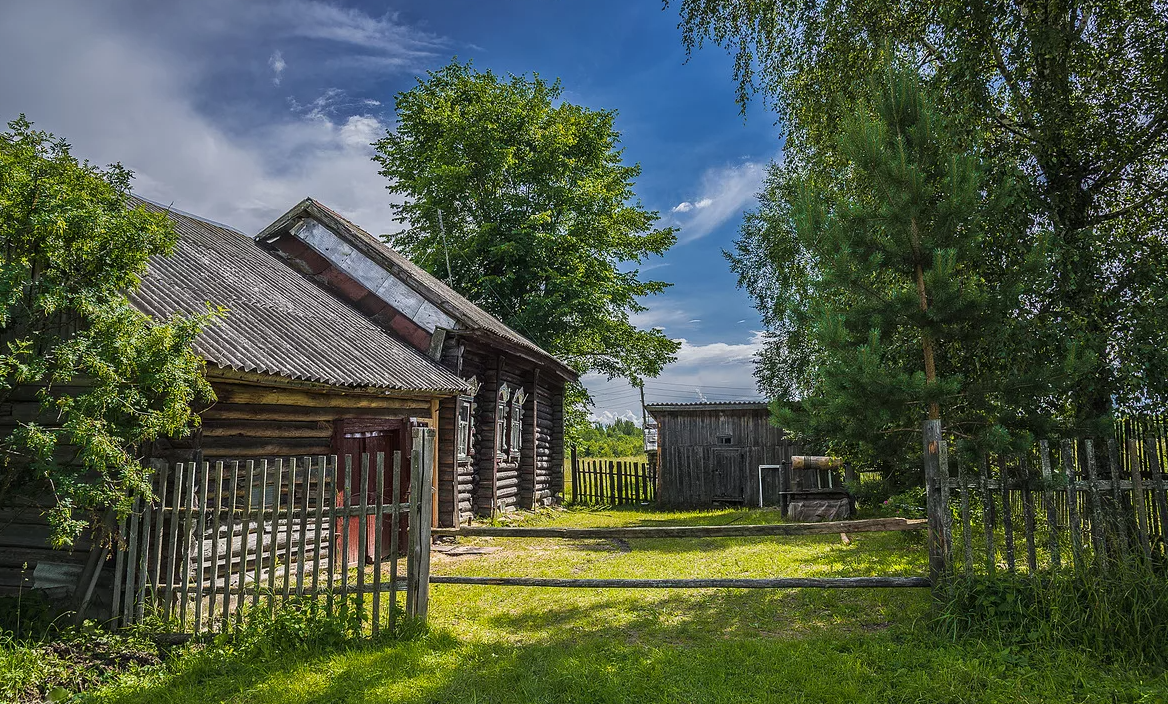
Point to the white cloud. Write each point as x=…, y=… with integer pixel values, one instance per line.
x=718, y=371
x=277, y=64
x=118, y=98
x=725, y=193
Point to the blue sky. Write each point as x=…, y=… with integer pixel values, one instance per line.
x=235, y=111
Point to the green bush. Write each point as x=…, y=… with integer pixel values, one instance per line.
x=1120, y=612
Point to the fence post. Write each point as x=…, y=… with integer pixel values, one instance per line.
x=936, y=473
x=575, y=476
x=418, y=557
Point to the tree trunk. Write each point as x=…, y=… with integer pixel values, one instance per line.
x=926, y=339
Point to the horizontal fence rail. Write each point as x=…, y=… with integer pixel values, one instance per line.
x=870, y=525
x=216, y=542
x=694, y=583
x=1063, y=503
x=613, y=482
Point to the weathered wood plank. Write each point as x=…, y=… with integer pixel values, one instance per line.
x=772, y=583
x=1048, y=502
x=868, y=525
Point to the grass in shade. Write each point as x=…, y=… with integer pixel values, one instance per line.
x=498, y=644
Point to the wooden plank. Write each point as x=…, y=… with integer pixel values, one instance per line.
x=427, y=438
x=988, y=516
x=867, y=525
x=318, y=521
x=144, y=556
x=363, y=539
x=1007, y=513
x=201, y=532
x=772, y=583
x=176, y=503
x=966, y=536
x=1068, y=457
x=575, y=478
x=259, y=520
x=129, y=600
x=302, y=538
x=378, y=529
x=119, y=571
x=188, y=538
x=231, y=548
x=293, y=471
x=393, y=539
x=274, y=548
x=1097, y=539
x=163, y=474
x=347, y=493
x=1141, y=508
x=1151, y=450
x=215, y=523
x=414, y=534
x=1119, y=521
x=331, y=480
x=1048, y=502
x=1028, y=519
x=939, y=542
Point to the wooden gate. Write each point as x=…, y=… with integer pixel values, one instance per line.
x=216, y=541
x=614, y=482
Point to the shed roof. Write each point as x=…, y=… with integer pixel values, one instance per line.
x=278, y=322
x=708, y=406
x=468, y=316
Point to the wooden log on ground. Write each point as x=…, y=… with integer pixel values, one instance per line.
x=870, y=525
x=772, y=583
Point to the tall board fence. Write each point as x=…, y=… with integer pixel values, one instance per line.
x=612, y=482
x=1069, y=502
x=219, y=541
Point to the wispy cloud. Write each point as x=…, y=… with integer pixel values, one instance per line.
x=140, y=108
x=723, y=194
x=719, y=371
x=277, y=64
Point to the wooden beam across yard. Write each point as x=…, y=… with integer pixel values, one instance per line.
x=772, y=583
x=871, y=525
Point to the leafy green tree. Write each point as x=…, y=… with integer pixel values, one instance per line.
x=894, y=297
x=107, y=378
x=621, y=438
x=521, y=201
x=1072, y=95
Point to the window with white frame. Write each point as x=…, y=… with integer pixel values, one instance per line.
x=464, y=431
x=517, y=400
x=502, y=407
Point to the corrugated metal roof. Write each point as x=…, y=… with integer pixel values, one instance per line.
x=466, y=313
x=278, y=322
x=708, y=406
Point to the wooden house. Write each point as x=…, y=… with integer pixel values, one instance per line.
x=726, y=452
x=501, y=443
x=296, y=371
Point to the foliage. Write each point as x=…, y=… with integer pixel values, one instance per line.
x=107, y=377
x=891, y=497
x=1118, y=612
x=623, y=438
x=521, y=202
x=893, y=311
x=1072, y=96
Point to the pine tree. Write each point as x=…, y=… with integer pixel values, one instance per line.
x=901, y=315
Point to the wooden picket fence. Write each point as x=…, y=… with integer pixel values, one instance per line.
x=219, y=541
x=612, y=482
x=1069, y=502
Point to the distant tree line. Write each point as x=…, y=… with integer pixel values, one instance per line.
x=621, y=438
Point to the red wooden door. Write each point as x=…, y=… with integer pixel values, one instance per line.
x=369, y=436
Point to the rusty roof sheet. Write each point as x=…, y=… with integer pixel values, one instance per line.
x=278, y=322
x=457, y=306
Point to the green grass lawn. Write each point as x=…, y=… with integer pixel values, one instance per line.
x=499, y=644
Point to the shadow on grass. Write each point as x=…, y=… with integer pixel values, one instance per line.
x=684, y=648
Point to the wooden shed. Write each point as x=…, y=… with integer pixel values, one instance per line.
x=725, y=452
x=501, y=443
x=296, y=370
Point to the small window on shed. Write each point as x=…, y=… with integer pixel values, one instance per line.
x=725, y=439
